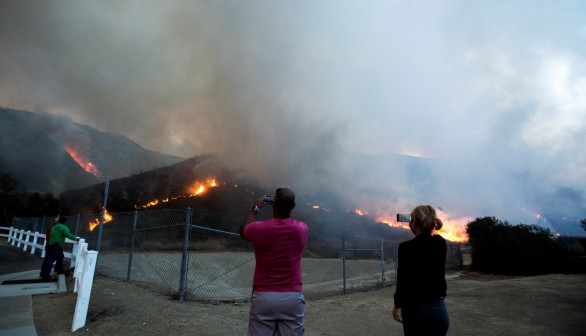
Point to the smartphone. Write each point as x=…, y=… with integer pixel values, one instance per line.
x=404, y=218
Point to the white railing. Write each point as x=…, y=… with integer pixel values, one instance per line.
x=82, y=260
x=37, y=240
x=84, y=277
x=26, y=239
x=2, y=229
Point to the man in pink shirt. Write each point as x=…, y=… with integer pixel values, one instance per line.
x=277, y=304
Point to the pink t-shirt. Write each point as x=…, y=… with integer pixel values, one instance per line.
x=278, y=247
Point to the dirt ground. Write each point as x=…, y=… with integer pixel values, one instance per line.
x=478, y=305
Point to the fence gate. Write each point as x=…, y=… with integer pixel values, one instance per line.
x=364, y=261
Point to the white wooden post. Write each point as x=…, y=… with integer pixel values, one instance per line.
x=85, y=279
x=75, y=252
x=26, y=241
x=11, y=234
x=20, y=238
x=78, y=271
x=44, y=251
x=15, y=240
x=35, y=239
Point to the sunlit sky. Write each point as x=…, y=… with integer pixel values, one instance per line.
x=494, y=89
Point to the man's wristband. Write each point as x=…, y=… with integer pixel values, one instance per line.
x=255, y=208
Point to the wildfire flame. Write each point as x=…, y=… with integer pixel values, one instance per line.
x=318, y=207
x=199, y=188
x=454, y=229
x=196, y=189
x=89, y=167
x=393, y=223
x=94, y=224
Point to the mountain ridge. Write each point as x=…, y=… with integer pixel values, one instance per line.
x=51, y=154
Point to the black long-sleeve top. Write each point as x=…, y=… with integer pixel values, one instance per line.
x=421, y=272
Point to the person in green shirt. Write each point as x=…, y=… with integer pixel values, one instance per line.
x=54, y=248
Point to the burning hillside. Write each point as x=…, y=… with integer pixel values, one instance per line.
x=195, y=189
x=49, y=153
x=203, y=182
x=94, y=223
x=82, y=161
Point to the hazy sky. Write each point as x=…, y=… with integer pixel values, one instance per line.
x=495, y=89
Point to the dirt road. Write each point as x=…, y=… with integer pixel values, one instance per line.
x=478, y=305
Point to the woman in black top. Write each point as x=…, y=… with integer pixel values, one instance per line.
x=421, y=283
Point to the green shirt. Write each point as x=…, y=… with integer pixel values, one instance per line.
x=58, y=234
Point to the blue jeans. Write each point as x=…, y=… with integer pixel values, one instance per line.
x=53, y=254
x=430, y=318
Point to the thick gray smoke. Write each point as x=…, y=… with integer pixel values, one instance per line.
x=495, y=93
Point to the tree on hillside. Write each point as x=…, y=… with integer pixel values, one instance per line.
x=583, y=223
x=501, y=248
x=39, y=205
x=15, y=202
x=9, y=201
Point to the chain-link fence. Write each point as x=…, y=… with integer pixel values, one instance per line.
x=198, y=254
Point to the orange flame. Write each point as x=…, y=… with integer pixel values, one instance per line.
x=196, y=189
x=393, y=223
x=89, y=167
x=199, y=188
x=107, y=218
x=454, y=229
x=318, y=207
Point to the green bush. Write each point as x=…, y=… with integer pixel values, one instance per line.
x=501, y=248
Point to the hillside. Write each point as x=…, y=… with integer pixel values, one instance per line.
x=232, y=194
x=50, y=154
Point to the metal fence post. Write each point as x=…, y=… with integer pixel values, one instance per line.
x=77, y=223
x=36, y=225
x=344, y=265
x=185, y=256
x=102, y=215
x=382, y=262
x=100, y=230
x=132, y=237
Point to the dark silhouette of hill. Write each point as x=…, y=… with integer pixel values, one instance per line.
x=39, y=148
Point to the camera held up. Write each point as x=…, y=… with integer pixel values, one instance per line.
x=266, y=199
x=403, y=218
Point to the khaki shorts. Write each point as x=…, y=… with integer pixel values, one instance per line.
x=276, y=313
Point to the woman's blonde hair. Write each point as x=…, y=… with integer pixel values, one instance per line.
x=425, y=219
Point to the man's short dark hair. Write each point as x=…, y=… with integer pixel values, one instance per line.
x=285, y=198
x=62, y=220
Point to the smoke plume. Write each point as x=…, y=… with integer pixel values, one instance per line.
x=489, y=99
